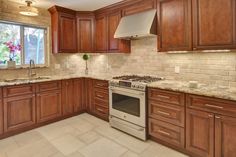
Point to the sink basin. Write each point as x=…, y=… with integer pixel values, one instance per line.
x=27, y=79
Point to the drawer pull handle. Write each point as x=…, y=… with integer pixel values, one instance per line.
x=163, y=132
x=100, y=110
x=101, y=85
x=214, y=106
x=164, y=113
x=164, y=97
x=217, y=117
x=100, y=96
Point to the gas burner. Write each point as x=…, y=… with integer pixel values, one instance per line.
x=136, y=78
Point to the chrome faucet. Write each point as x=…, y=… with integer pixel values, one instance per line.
x=31, y=73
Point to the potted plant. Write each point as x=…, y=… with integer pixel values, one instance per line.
x=13, y=48
x=86, y=58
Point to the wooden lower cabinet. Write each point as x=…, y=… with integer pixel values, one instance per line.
x=200, y=133
x=19, y=112
x=225, y=139
x=78, y=91
x=48, y=106
x=1, y=113
x=67, y=97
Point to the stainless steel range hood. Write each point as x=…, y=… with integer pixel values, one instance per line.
x=137, y=26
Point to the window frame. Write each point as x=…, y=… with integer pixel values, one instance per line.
x=22, y=54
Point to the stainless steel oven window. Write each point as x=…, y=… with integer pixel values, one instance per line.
x=127, y=104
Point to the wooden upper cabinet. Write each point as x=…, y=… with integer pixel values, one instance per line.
x=67, y=97
x=214, y=24
x=225, y=139
x=174, y=25
x=116, y=45
x=101, y=33
x=200, y=133
x=85, y=31
x=139, y=6
x=64, y=32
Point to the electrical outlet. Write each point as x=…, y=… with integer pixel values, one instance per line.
x=177, y=69
x=57, y=66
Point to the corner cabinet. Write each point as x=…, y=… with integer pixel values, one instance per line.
x=214, y=24
x=67, y=97
x=1, y=113
x=64, y=31
x=174, y=25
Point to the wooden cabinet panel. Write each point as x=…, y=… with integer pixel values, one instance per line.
x=174, y=25
x=67, y=97
x=140, y=6
x=47, y=86
x=200, y=133
x=11, y=91
x=79, y=105
x=19, y=112
x=101, y=84
x=167, y=132
x=89, y=94
x=225, y=139
x=1, y=112
x=211, y=105
x=166, y=96
x=214, y=24
x=101, y=33
x=85, y=28
x=167, y=112
x=48, y=106
x=101, y=95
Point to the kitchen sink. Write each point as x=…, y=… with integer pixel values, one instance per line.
x=27, y=79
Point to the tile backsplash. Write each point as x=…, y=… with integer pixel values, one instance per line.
x=211, y=68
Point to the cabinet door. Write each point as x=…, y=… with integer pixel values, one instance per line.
x=67, y=36
x=67, y=97
x=225, y=139
x=174, y=25
x=89, y=101
x=1, y=115
x=85, y=28
x=116, y=45
x=101, y=33
x=19, y=112
x=200, y=133
x=78, y=90
x=214, y=24
x=48, y=106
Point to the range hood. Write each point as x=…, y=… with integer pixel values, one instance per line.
x=137, y=26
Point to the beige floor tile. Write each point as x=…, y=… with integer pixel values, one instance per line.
x=38, y=149
x=75, y=154
x=27, y=138
x=93, y=120
x=132, y=143
x=108, y=132
x=57, y=154
x=89, y=137
x=130, y=154
x=67, y=144
x=103, y=148
x=8, y=144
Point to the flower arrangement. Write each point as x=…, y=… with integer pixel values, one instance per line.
x=13, y=48
x=86, y=58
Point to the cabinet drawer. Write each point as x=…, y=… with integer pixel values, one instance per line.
x=18, y=90
x=167, y=112
x=166, y=96
x=100, y=84
x=167, y=132
x=211, y=105
x=101, y=111
x=101, y=102
x=48, y=86
x=101, y=94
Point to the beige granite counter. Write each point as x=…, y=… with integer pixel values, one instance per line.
x=203, y=89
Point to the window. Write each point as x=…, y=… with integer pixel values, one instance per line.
x=21, y=44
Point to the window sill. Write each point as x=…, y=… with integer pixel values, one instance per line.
x=21, y=67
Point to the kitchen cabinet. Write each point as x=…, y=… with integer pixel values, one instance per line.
x=19, y=112
x=116, y=45
x=214, y=24
x=64, y=30
x=200, y=133
x=85, y=30
x=1, y=113
x=49, y=101
x=225, y=140
x=88, y=97
x=67, y=97
x=174, y=25
x=101, y=32
x=78, y=89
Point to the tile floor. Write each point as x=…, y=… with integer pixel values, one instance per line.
x=80, y=136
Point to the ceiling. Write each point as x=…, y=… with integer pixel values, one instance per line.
x=78, y=5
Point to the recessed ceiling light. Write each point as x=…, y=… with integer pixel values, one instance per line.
x=28, y=10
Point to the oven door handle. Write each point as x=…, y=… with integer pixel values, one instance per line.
x=119, y=92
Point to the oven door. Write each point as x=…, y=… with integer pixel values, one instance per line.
x=128, y=104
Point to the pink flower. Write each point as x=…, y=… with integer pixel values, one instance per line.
x=12, y=47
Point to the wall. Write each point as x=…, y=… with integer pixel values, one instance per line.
x=211, y=68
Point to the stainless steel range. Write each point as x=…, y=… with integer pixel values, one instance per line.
x=127, y=100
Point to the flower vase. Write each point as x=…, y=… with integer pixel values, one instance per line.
x=11, y=64
x=86, y=69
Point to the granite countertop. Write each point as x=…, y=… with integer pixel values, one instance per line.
x=203, y=89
